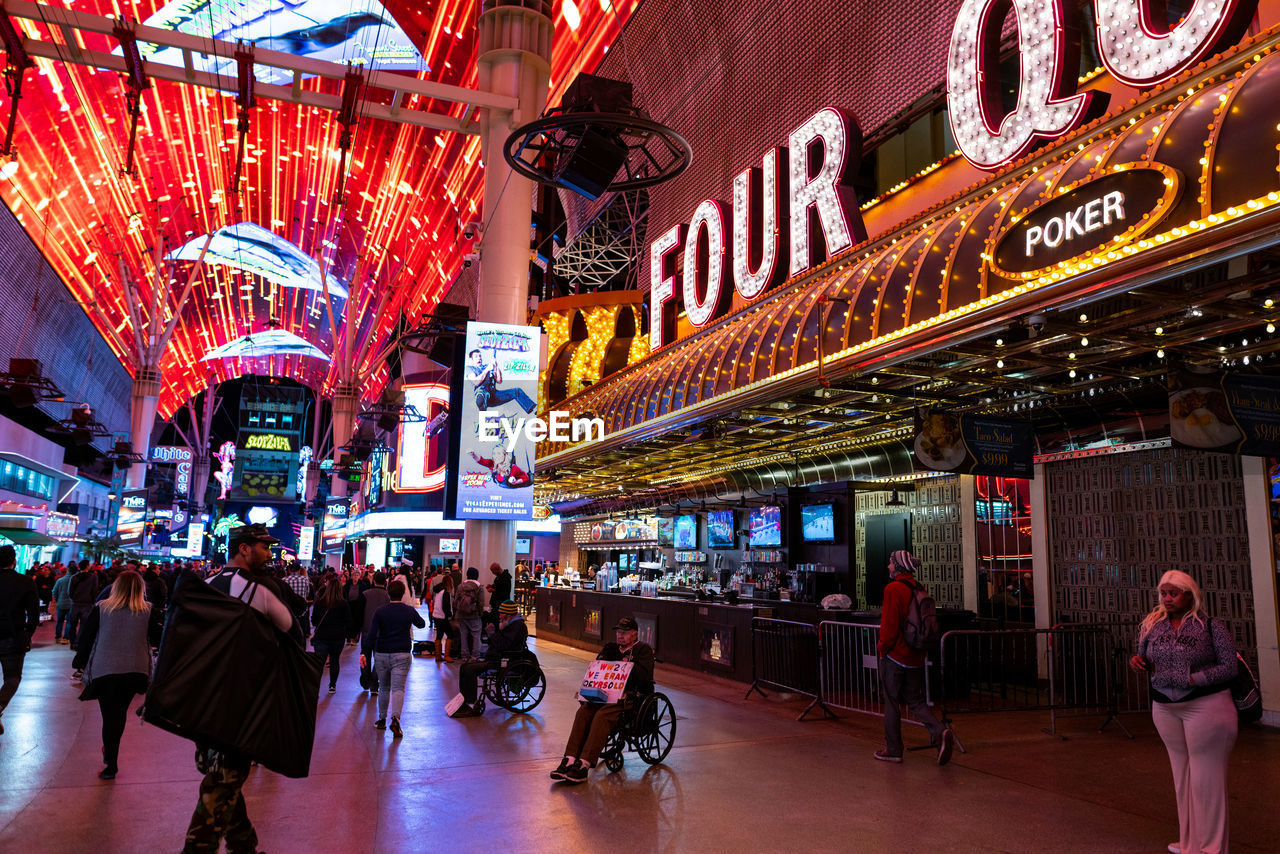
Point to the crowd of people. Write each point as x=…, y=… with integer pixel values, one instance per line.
x=111, y=616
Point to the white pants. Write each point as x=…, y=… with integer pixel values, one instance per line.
x=1199, y=735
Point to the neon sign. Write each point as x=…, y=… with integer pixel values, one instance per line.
x=268, y=442
x=822, y=156
x=1134, y=48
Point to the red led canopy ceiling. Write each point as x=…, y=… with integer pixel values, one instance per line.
x=409, y=189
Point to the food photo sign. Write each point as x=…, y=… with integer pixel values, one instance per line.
x=973, y=444
x=1230, y=412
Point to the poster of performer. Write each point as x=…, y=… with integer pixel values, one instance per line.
x=500, y=385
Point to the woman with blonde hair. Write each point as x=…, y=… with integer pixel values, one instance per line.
x=115, y=655
x=1191, y=660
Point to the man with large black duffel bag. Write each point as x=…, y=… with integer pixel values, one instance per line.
x=233, y=676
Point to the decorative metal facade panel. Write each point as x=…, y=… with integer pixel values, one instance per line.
x=1118, y=522
x=935, y=537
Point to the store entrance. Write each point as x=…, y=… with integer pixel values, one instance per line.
x=886, y=533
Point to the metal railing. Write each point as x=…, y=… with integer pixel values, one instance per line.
x=850, y=669
x=786, y=655
x=1017, y=670
x=1063, y=670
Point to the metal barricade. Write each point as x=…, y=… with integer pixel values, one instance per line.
x=1016, y=670
x=1132, y=690
x=850, y=669
x=786, y=655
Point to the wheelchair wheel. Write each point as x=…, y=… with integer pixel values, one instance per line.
x=613, y=747
x=520, y=687
x=654, y=728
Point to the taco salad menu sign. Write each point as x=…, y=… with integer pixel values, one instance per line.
x=973, y=444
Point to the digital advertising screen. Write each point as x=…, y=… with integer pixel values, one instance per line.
x=133, y=515
x=686, y=531
x=818, y=523
x=333, y=534
x=720, y=532
x=667, y=531
x=273, y=342
x=361, y=32
x=307, y=543
x=765, y=524
x=250, y=247
x=450, y=545
x=422, y=452
x=524, y=545
x=498, y=394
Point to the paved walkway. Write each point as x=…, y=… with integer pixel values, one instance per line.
x=744, y=776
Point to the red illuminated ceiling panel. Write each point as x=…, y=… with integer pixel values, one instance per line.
x=408, y=188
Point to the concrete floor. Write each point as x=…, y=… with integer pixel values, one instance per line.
x=744, y=776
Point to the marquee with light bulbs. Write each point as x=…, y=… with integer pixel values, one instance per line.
x=1187, y=148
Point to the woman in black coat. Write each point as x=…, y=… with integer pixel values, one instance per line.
x=331, y=615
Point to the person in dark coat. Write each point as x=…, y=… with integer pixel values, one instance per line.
x=331, y=616
x=499, y=590
x=507, y=640
x=115, y=654
x=19, y=617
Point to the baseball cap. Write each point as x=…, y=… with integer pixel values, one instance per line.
x=628, y=624
x=250, y=534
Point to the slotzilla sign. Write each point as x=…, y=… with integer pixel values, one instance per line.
x=1115, y=209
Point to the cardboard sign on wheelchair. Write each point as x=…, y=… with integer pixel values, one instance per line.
x=605, y=682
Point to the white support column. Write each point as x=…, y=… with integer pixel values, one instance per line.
x=1262, y=564
x=969, y=540
x=514, y=61
x=1041, y=566
x=142, y=417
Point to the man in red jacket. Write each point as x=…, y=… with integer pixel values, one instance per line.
x=901, y=667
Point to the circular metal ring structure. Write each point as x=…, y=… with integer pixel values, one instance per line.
x=654, y=152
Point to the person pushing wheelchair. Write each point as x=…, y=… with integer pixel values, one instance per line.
x=594, y=721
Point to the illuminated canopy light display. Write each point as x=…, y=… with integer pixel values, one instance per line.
x=407, y=188
x=251, y=248
x=361, y=32
x=1046, y=67
x=273, y=342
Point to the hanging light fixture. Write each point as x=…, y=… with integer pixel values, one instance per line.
x=895, y=500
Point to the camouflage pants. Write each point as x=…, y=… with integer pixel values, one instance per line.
x=220, y=812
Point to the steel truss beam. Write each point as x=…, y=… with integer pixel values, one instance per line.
x=396, y=86
x=608, y=245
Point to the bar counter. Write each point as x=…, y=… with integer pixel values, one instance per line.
x=709, y=636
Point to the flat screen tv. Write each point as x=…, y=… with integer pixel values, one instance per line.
x=667, y=531
x=720, y=533
x=450, y=545
x=765, y=525
x=818, y=523
x=686, y=536
x=524, y=545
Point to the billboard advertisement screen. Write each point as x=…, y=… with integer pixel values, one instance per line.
x=333, y=535
x=499, y=386
x=423, y=452
x=133, y=515
x=306, y=542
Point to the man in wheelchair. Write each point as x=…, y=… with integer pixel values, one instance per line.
x=506, y=641
x=595, y=721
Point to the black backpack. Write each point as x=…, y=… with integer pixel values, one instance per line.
x=922, y=629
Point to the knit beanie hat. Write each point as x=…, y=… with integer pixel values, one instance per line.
x=508, y=607
x=904, y=561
